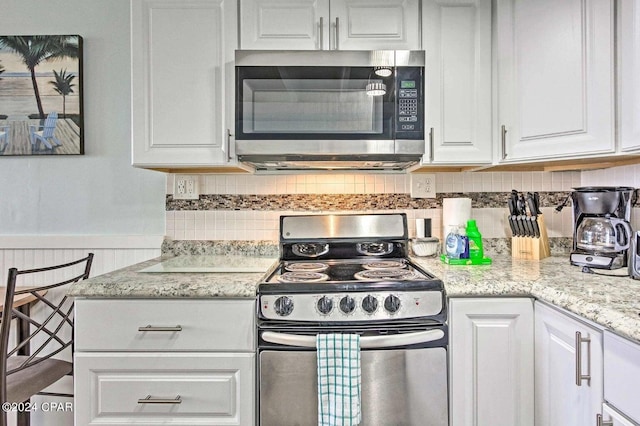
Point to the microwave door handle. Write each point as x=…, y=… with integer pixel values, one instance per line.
x=367, y=342
x=337, y=33
x=321, y=33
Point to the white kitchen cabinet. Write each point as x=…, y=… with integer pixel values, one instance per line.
x=491, y=368
x=330, y=24
x=622, y=375
x=569, y=369
x=457, y=40
x=182, y=59
x=159, y=361
x=555, y=78
x=629, y=74
x=159, y=388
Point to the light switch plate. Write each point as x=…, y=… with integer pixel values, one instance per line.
x=186, y=187
x=423, y=185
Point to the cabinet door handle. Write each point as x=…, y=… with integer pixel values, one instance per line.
x=337, y=32
x=431, y=145
x=579, y=376
x=503, y=137
x=601, y=422
x=228, y=149
x=156, y=328
x=321, y=32
x=149, y=400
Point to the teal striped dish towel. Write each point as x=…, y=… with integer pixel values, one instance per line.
x=338, y=379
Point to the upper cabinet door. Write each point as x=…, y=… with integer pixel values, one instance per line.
x=375, y=24
x=330, y=24
x=629, y=74
x=284, y=24
x=457, y=40
x=182, y=81
x=555, y=78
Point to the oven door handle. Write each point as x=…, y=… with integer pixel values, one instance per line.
x=366, y=342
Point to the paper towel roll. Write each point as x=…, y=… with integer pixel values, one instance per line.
x=455, y=213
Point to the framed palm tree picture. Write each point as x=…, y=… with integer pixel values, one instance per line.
x=41, y=95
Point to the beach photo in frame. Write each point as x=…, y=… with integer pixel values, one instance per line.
x=41, y=95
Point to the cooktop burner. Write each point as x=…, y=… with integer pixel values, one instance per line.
x=385, y=274
x=341, y=273
x=306, y=267
x=302, y=277
x=384, y=264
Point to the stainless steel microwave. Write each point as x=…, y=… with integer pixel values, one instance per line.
x=299, y=110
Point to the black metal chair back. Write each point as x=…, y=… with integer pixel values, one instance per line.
x=30, y=365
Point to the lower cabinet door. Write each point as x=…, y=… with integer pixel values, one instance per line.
x=164, y=388
x=568, y=369
x=491, y=352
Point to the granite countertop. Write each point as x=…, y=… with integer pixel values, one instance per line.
x=612, y=302
x=129, y=282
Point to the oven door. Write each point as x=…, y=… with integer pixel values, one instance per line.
x=400, y=385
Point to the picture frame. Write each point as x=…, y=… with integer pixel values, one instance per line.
x=41, y=96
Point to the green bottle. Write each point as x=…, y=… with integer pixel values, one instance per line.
x=475, y=240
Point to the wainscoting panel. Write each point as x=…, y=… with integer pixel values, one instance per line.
x=31, y=251
x=110, y=253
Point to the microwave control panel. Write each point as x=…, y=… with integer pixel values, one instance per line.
x=409, y=103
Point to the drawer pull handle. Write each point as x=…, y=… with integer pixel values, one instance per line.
x=150, y=400
x=154, y=328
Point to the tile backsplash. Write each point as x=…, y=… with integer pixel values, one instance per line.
x=615, y=176
x=248, y=207
x=382, y=183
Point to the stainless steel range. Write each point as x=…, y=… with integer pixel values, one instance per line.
x=352, y=274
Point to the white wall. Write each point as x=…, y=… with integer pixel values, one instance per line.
x=53, y=209
x=98, y=193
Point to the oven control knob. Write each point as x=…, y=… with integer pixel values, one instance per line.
x=347, y=304
x=283, y=306
x=369, y=304
x=392, y=303
x=324, y=305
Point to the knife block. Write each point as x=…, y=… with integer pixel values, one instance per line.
x=531, y=248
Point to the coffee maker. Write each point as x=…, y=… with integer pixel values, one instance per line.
x=601, y=230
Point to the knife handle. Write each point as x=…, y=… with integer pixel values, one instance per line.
x=512, y=225
x=536, y=227
x=536, y=200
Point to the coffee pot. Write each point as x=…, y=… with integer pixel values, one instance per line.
x=601, y=231
x=603, y=234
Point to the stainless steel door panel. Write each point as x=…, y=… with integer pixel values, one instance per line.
x=399, y=387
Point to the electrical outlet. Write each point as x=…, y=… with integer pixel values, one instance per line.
x=186, y=187
x=423, y=185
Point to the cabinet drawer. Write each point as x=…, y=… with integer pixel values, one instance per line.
x=193, y=389
x=172, y=325
x=622, y=374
